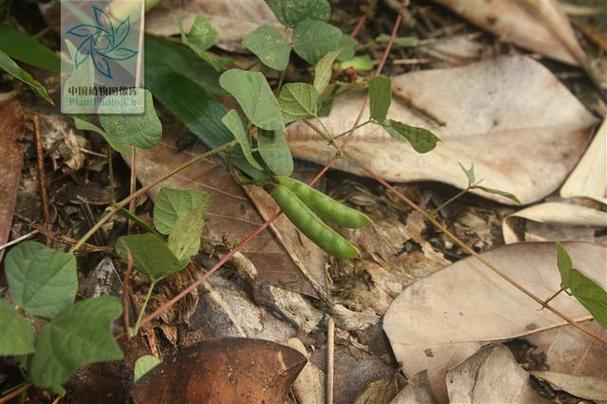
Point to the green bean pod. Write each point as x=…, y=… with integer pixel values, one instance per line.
x=327, y=208
x=311, y=225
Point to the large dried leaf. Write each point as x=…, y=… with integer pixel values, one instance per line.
x=522, y=129
x=231, y=216
x=565, y=218
x=233, y=19
x=491, y=375
x=440, y=320
x=231, y=370
x=589, y=179
x=11, y=131
x=539, y=25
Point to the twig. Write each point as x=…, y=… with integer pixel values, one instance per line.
x=330, y=358
x=359, y=25
x=126, y=280
x=14, y=393
x=555, y=294
x=19, y=239
x=42, y=175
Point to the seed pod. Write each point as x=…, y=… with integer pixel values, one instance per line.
x=311, y=225
x=327, y=208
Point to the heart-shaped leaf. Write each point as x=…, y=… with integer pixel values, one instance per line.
x=297, y=101
x=270, y=46
x=16, y=335
x=42, y=281
x=314, y=39
x=171, y=203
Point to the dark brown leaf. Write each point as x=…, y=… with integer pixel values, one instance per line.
x=231, y=370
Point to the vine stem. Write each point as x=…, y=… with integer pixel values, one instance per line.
x=135, y=330
x=450, y=200
x=432, y=218
x=119, y=205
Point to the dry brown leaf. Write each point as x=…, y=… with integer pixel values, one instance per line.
x=417, y=391
x=491, y=375
x=11, y=131
x=378, y=392
x=231, y=370
x=231, y=216
x=522, y=129
x=233, y=19
x=589, y=178
x=309, y=387
x=565, y=216
x=442, y=319
x=591, y=388
x=538, y=25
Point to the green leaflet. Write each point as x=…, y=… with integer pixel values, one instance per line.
x=23, y=48
x=116, y=144
x=184, y=240
x=143, y=365
x=80, y=334
x=16, y=335
x=323, y=71
x=380, y=97
x=12, y=68
x=233, y=122
x=275, y=152
x=586, y=290
x=297, y=101
x=421, y=139
x=150, y=255
x=270, y=46
x=172, y=203
x=42, y=281
x=291, y=12
x=314, y=39
x=255, y=97
x=142, y=130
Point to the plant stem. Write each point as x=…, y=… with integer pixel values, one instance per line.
x=135, y=330
x=119, y=205
x=450, y=200
x=558, y=292
x=350, y=130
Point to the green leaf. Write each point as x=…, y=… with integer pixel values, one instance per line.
x=144, y=364
x=172, y=203
x=184, y=240
x=347, y=45
x=297, y=101
x=380, y=97
x=505, y=194
x=150, y=255
x=143, y=130
x=421, y=139
x=202, y=35
x=323, y=71
x=270, y=46
x=275, y=152
x=23, y=48
x=585, y=289
x=12, y=68
x=359, y=63
x=291, y=12
x=314, y=39
x=400, y=41
x=565, y=265
x=80, y=334
x=16, y=335
x=83, y=124
x=42, y=281
x=255, y=97
x=232, y=121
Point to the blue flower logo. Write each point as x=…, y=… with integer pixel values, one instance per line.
x=102, y=42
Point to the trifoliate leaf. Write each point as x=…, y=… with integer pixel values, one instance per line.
x=16, y=335
x=42, y=281
x=275, y=152
x=255, y=97
x=290, y=12
x=270, y=46
x=421, y=139
x=144, y=364
x=297, y=101
x=380, y=97
x=150, y=255
x=80, y=334
x=139, y=130
x=172, y=203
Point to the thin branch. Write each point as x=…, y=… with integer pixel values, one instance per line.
x=330, y=359
x=46, y=212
